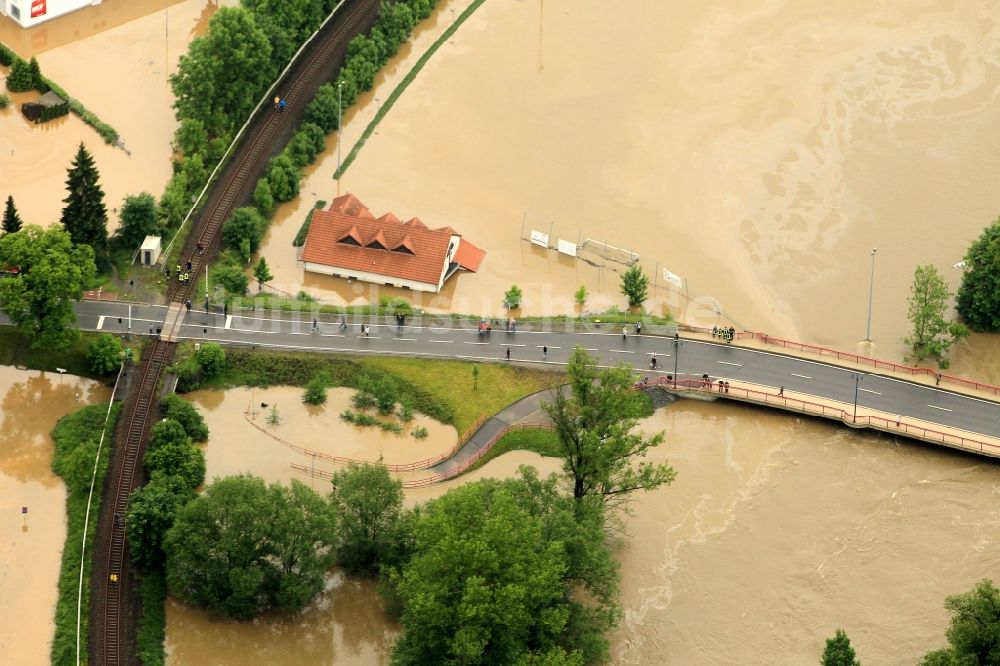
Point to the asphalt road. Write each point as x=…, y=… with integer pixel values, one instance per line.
x=691, y=358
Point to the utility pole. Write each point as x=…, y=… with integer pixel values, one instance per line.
x=871, y=288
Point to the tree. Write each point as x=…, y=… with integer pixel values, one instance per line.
x=580, y=296
x=263, y=273
x=152, y=510
x=166, y=432
x=283, y=177
x=183, y=460
x=85, y=216
x=211, y=357
x=11, y=219
x=838, y=651
x=512, y=297
x=495, y=576
x=263, y=200
x=20, y=78
x=595, y=424
x=315, y=393
x=978, y=299
x=232, y=278
x=245, y=223
x=138, y=220
x=322, y=110
x=224, y=72
x=306, y=144
x=53, y=273
x=932, y=334
x=242, y=547
x=635, y=285
x=36, y=74
x=105, y=354
x=974, y=632
x=178, y=409
x=368, y=503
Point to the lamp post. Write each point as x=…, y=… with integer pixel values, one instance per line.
x=677, y=348
x=857, y=377
x=871, y=288
x=340, y=129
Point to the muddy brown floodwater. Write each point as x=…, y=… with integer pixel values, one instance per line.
x=31, y=543
x=114, y=58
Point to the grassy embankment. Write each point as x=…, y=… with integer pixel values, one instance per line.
x=76, y=436
x=15, y=350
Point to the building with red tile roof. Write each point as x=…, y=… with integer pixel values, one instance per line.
x=346, y=240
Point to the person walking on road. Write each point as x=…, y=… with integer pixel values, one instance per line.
x=624, y=334
x=508, y=353
x=781, y=391
x=638, y=327
x=545, y=352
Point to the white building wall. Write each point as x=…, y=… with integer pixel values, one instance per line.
x=374, y=278
x=29, y=13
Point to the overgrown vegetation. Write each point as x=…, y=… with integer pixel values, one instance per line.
x=76, y=437
x=153, y=621
x=542, y=441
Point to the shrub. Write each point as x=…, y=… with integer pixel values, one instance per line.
x=191, y=136
x=4, y=100
x=262, y=197
x=363, y=400
x=315, y=391
x=512, y=297
x=322, y=110
x=308, y=142
x=166, y=432
x=232, y=278
x=419, y=432
x=284, y=177
x=245, y=223
x=391, y=426
x=182, y=460
x=211, y=357
x=153, y=623
x=20, y=78
x=348, y=415
x=7, y=56
x=178, y=409
x=405, y=412
x=104, y=354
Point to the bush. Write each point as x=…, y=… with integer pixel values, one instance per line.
x=322, y=110
x=513, y=297
x=405, y=412
x=178, y=409
x=166, y=432
x=7, y=56
x=20, y=78
x=211, y=357
x=4, y=100
x=283, y=177
x=308, y=142
x=232, y=278
x=105, y=354
x=191, y=136
x=246, y=223
x=419, y=432
x=182, y=460
x=151, y=511
x=315, y=392
x=391, y=426
x=263, y=200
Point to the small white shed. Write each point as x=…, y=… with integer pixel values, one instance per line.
x=149, y=253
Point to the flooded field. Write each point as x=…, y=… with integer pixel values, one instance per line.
x=31, y=543
x=129, y=49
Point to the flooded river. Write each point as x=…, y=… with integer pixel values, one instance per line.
x=31, y=543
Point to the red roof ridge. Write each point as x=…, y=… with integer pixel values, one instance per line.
x=388, y=217
x=415, y=222
x=351, y=205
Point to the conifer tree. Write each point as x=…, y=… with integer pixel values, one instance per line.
x=85, y=217
x=36, y=72
x=11, y=220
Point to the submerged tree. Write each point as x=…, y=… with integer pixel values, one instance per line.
x=85, y=217
x=635, y=285
x=932, y=334
x=11, y=220
x=838, y=651
x=978, y=299
x=263, y=274
x=595, y=422
x=368, y=503
x=974, y=632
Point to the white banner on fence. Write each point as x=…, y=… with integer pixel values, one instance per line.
x=566, y=247
x=538, y=238
x=673, y=278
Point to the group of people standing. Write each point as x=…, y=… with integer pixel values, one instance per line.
x=727, y=334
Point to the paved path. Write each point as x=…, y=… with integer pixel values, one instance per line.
x=763, y=369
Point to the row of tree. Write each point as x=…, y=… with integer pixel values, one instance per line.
x=514, y=571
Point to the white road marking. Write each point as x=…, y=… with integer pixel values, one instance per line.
x=738, y=365
x=475, y=343
x=869, y=391
x=407, y=339
x=620, y=351
x=229, y=321
x=943, y=409
x=442, y=342
x=797, y=375
x=100, y=322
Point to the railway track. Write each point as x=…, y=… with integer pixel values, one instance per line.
x=112, y=629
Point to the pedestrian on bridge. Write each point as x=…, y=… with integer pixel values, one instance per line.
x=781, y=391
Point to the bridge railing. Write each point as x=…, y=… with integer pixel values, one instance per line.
x=897, y=426
x=853, y=357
